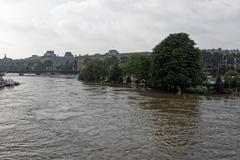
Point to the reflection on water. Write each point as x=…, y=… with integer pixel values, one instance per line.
x=61, y=118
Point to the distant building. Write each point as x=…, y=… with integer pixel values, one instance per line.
x=34, y=57
x=50, y=54
x=48, y=62
x=112, y=52
x=68, y=55
x=218, y=61
x=5, y=59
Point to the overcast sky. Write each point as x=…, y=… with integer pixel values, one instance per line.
x=94, y=26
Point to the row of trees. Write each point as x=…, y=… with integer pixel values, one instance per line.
x=113, y=70
x=48, y=65
x=230, y=81
x=174, y=63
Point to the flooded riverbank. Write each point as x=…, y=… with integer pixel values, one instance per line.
x=62, y=118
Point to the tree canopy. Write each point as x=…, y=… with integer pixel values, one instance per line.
x=95, y=71
x=138, y=66
x=116, y=74
x=176, y=62
x=232, y=79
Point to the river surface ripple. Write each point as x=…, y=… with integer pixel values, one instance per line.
x=62, y=118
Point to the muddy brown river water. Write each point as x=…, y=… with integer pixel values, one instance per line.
x=62, y=118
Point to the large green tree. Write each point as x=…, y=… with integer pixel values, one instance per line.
x=176, y=63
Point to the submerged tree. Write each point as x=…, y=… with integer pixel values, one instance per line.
x=116, y=74
x=231, y=78
x=128, y=80
x=95, y=71
x=176, y=63
x=219, y=86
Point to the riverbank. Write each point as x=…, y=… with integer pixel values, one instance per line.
x=201, y=92
x=226, y=91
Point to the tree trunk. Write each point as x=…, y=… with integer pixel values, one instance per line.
x=179, y=90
